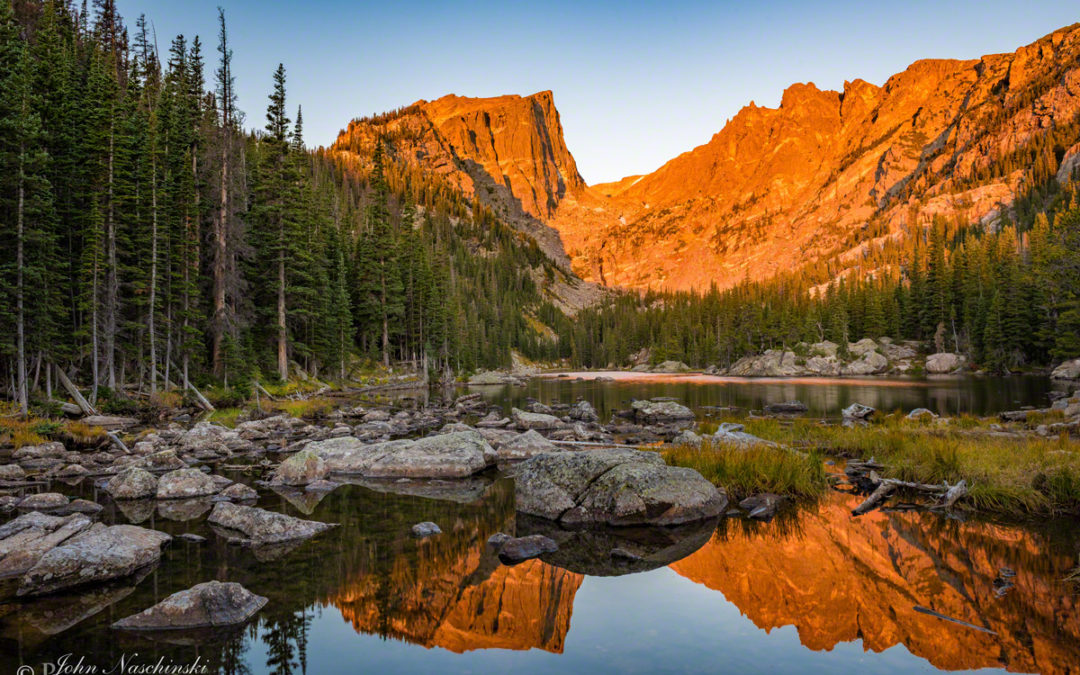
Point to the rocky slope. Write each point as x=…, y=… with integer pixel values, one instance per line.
x=826, y=175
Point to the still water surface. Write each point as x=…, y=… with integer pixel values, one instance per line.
x=813, y=591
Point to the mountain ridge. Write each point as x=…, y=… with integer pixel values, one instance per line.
x=825, y=176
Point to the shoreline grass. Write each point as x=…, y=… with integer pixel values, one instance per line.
x=1015, y=474
x=748, y=471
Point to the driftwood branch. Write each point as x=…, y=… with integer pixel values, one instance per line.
x=882, y=491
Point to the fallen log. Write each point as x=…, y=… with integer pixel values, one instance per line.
x=593, y=444
x=73, y=391
x=200, y=400
x=119, y=443
x=879, y=494
x=955, y=493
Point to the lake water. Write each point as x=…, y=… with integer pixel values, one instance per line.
x=815, y=590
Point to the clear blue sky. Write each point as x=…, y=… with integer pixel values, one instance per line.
x=636, y=83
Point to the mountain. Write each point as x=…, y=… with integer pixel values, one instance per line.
x=826, y=176
x=509, y=151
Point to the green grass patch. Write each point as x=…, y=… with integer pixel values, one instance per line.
x=226, y=416
x=1010, y=474
x=311, y=407
x=750, y=471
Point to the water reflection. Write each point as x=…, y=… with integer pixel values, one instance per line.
x=838, y=579
x=368, y=590
x=824, y=396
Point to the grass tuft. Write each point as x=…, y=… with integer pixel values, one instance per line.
x=750, y=471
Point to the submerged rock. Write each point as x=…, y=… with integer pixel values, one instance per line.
x=787, y=407
x=205, y=605
x=263, y=527
x=614, y=486
x=520, y=549
x=97, y=554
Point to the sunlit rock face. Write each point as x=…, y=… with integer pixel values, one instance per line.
x=469, y=602
x=827, y=174
x=840, y=579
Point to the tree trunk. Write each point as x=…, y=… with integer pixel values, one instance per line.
x=112, y=291
x=153, y=276
x=219, y=260
x=20, y=331
x=282, y=347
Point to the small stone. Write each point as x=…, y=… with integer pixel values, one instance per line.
x=523, y=548
x=623, y=554
x=238, y=492
x=185, y=483
x=12, y=472
x=497, y=540
x=192, y=538
x=134, y=483
x=425, y=529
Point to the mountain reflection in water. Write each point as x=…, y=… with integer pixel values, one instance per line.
x=368, y=593
x=838, y=579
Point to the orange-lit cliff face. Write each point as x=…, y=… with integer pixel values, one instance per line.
x=840, y=579
x=464, y=601
x=815, y=178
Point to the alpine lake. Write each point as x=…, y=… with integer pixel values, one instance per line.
x=813, y=590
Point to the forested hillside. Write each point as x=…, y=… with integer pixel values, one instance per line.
x=147, y=240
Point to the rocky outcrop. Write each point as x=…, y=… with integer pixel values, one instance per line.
x=259, y=526
x=452, y=455
x=614, y=487
x=97, y=554
x=208, y=605
x=944, y=362
x=1069, y=370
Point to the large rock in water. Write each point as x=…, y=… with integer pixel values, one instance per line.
x=531, y=420
x=260, y=526
x=302, y=468
x=134, y=483
x=95, y=555
x=526, y=445
x=660, y=411
x=206, y=605
x=1070, y=370
x=185, y=483
x=943, y=362
x=24, y=540
x=453, y=455
x=615, y=487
